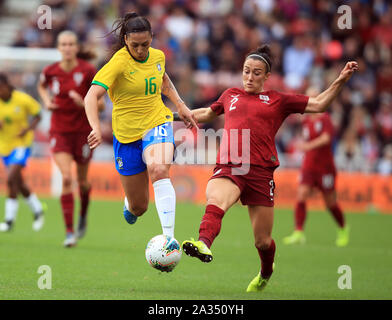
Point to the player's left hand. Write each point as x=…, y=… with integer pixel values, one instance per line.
x=348, y=70
x=186, y=115
x=77, y=98
x=94, y=139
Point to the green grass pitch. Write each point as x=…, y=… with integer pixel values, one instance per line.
x=109, y=263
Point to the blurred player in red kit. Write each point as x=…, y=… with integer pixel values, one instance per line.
x=62, y=88
x=253, y=116
x=318, y=171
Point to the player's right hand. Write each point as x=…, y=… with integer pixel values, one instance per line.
x=94, y=139
x=348, y=70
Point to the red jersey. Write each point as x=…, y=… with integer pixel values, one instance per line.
x=251, y=123
x=319, y=159
x=69, y=117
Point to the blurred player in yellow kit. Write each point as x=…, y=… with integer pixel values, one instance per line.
x=16, y=138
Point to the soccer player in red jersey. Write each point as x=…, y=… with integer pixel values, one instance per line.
x=318, y=171
x=62, y=88
x=246, y=173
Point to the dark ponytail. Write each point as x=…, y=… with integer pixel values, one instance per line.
x=131, y=23
x=264, y=52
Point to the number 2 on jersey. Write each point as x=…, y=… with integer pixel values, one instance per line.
x=232, y=101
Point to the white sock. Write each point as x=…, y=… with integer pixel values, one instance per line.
x=165, y=202
x=11, y=209
x=34, y=204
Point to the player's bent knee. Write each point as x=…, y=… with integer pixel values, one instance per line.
x=302, y=195
x=220, y=203
x=67, y=181
x=263, y=243
x=158, y=172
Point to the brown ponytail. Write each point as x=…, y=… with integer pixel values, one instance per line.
x=131, y=23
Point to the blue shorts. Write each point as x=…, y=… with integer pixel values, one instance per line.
x=17, y=156
x=129, y=156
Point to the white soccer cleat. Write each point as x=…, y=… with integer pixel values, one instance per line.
x=70, y=240
x=38, y=222
x=4, y=227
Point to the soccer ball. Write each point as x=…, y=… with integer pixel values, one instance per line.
x=163, y=253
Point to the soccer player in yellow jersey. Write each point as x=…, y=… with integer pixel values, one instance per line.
x=16, y=137
x=143, y=139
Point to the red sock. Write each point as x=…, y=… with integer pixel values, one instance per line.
x=337, y=215
x=300, y=215
x=210, y=224
x=84, y=200
x=267, y=259
x=67, y=204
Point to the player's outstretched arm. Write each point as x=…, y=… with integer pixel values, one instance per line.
x=169, y=90
x=321, y=102
x=94, y=94
x=204, y=115
x=201, y=115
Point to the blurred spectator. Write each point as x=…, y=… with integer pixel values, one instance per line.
x=382, y=30
x=371, y=150
x=383, y=119
x=348, y=154
x=205, y=43
x=297, y=62
x=385, y=164
x=179, y=25
x=360, y=121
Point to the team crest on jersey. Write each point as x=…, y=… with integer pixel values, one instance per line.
x=119, y=162
x=318, y=126
x=264, y=98
x=78, y=78
x=17, y=109
x=159, y=67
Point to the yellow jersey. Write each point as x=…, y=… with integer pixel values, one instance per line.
x=134, y=88
x=14, y=117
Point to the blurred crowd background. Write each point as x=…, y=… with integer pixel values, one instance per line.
x=206, y=41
